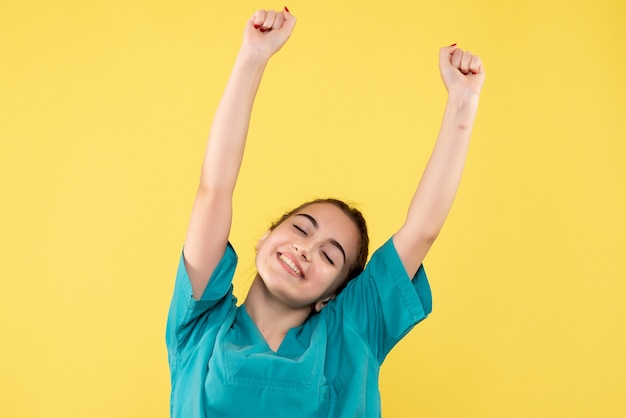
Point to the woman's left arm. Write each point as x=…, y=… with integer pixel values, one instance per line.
x=463, y=75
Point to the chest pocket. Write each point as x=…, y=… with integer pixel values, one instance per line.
x=245, y=378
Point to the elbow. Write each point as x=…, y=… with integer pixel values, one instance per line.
x=415, y=242
x=425, y=235
x=212, y=189
x=427, y=239
x=430, y=237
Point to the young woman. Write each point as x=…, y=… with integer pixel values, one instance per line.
x=316, y=325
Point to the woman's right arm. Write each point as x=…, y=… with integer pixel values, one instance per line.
x=207, y=236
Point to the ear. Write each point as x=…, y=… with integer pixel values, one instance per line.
x=260, y=241
x=322, y=303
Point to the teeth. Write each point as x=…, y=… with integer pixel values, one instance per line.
x=290, y=264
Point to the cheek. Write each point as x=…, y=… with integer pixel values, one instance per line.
x=262, y=253
x=261, y=240
x=325, y=276
x=336, y=277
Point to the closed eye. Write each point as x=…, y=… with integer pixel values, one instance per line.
x=328, y=258
x=315, y=227
x=302, y=231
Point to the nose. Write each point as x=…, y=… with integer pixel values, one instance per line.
x=302, y=250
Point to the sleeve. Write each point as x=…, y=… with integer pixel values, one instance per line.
x=383, y=303
x=188, y=318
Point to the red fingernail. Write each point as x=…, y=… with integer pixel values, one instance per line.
x=452, y=45
x=286, y=9
x=256, y=26
x=262, y=29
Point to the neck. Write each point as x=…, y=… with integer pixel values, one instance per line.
x=272, y=317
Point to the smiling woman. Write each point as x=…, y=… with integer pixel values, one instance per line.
x=310, y=246
x=317, y=322
x=355, y=216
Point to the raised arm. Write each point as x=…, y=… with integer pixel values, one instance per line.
x=209, y=227
x=463, y=77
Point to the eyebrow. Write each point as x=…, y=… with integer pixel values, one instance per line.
x=334, y=242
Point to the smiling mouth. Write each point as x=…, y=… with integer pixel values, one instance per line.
x=292, y=266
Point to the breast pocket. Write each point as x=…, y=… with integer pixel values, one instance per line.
x=263, y=383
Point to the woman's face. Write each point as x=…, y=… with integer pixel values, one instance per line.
x=304, y=259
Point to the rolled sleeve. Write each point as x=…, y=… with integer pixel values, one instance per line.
x=383, y=304
x=188, y=317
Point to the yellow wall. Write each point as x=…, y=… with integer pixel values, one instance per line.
x=104, y=110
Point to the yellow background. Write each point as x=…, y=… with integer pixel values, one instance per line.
x=104, y=111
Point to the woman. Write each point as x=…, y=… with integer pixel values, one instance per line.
x=315, y=326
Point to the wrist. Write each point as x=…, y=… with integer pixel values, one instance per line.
x=254, y=57
x=461, y=110
x=464, y=100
